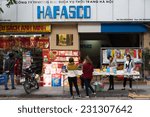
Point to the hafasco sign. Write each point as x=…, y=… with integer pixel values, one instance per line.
x=70, y=12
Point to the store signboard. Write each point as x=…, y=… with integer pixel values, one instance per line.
x=76, y=11
x=25, y=28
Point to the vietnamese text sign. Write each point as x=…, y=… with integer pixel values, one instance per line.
x=23, y=28
x=76, y=11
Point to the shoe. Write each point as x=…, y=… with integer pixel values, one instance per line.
x=123, y=89
x=111, y=89
x=13, y=88
x=72, y=97
x=6, y=88
x=78, y=97
x=87, y=97
x=130, y=89
x=94, y=93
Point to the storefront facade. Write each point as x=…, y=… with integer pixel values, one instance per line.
x=83, y=26
x=19, y=38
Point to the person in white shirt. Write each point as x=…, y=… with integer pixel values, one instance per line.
x=128, y=67
x=112, y=64
x=72, y=77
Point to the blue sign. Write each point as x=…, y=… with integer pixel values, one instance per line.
x=71, y=12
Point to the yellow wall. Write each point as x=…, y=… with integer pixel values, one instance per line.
x=64, y=29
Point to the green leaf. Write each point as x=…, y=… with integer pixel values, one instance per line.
x=8, y=4
x=15, y=2
x=1, y=10
x=11, y=2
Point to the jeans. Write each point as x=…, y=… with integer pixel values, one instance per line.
x=12, y=80
x=87, y=86
x=130, y=82
x=82, y=82
x=73, y=80
x=111, y=82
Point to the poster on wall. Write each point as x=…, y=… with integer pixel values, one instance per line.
x=43, y=43
x=47, y=79
x=56, y=80
x=53, y=62
x=64, y=39
x=120, y=54
x=24, y=42
x=105, y=60
x=27, y=59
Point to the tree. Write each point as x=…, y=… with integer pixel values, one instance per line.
x=146, y=61
x=9, y=3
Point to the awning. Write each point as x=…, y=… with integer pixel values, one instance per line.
x=123, y=27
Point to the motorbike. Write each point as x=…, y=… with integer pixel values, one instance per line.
x=29, y=80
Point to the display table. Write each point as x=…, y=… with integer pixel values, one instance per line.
x=119, y=72
x=135, y=75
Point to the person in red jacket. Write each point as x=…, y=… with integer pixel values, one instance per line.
x=88, y=75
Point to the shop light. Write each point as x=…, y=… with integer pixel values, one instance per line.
x=4, y=36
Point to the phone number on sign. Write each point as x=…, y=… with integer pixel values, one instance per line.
x=106, y=109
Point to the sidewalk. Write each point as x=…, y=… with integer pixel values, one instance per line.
x=58, y=91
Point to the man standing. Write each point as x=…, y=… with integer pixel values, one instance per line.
x=9, y=70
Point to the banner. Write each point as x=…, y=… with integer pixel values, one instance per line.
x=76, y=11
x=120, y=54
x=25, y=28
x=24, y=42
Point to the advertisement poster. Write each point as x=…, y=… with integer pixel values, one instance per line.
x=105, y=60
x=26, y=60
x=24, y=42
x=46, y=55
x=120, y=54
x=47, y=79
x=53, y=62
x=43, y=43
x=56, y=80
x=64, y=39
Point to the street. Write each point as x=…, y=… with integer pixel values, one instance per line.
x=60, y=98
x=58, y=93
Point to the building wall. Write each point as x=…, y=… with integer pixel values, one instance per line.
x=64, y=29
x=146, y=43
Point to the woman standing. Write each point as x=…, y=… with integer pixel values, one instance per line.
x=112, y=64
x=80, y=66
x=72, y=78
x=88, y=75
x=128, y=67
